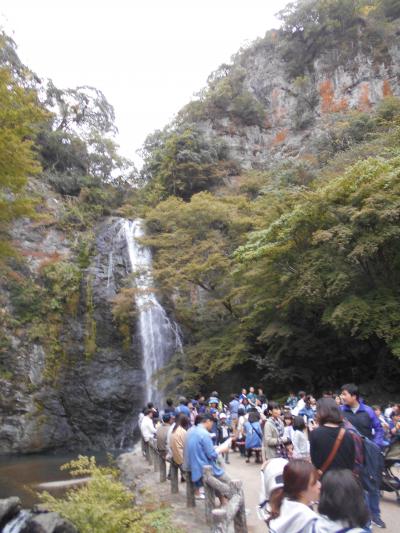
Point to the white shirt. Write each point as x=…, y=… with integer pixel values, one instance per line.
x=288, y=432
x=299, y=406
x=324, y=525
x=294, y=517
x=301, y=445
x=147, y=428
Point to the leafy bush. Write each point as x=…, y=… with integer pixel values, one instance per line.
x=182, y=162
x=104, y=505
x=388, y=109
x=343, y=131
x=248, y=109
x=26, y=298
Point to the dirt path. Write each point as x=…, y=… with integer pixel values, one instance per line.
x=193, y=520
x=250, y=475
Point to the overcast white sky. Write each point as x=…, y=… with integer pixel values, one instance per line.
x=148, y=56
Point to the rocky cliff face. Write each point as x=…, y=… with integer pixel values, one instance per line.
x=72, y=379
x=84, y=400
x=297, y=109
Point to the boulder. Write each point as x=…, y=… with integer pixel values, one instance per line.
x=48, y=523
x=9, y=507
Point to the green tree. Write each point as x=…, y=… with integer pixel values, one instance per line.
x=323, y=277
x=20, y=117
x=181, y=162
x=194, y=242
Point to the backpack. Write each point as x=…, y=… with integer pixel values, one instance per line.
x=371, y=473
x=369, y=459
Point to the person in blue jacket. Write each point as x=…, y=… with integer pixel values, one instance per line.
x=199, y=452
x=363, y=418
x=307, y=410
x=253, y=432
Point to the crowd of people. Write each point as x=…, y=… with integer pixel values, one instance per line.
x=313, y=454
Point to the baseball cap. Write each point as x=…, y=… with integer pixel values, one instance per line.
x=213, y=411
x=273, y=475
x=222, y=415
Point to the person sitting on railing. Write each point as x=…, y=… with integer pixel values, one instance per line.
x=199, y=452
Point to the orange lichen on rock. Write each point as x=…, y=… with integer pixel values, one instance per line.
x=364, y=103
x=51, y=259
x=326, y=93
x=328, y=103
x=340, y=105
x=280, y=137
x=386, y=89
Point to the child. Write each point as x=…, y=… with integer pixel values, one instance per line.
x=240, y=430
x=288, y=430
x=224, y=432
x=301, y=444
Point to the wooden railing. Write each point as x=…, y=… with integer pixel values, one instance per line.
x=219, y=519
x=159, y=462
x=234, y=511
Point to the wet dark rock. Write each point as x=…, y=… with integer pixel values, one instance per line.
x=9, y=508
x=48, y=523
x=94, y=400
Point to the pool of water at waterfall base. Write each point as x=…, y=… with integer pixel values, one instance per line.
x=20, y=474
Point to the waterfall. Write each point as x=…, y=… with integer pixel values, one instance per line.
x=159, y=336
x=17, y=523
x=110, y=269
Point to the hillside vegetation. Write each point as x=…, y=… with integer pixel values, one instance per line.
x=271, y=203
x=287, y=274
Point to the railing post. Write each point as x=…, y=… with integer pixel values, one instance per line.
x=163, y=467
x=151, y=453
x=190, y=498
x=155, y=456
x=239, y=521
x=143, y=446
x=209, y=494
x=147, y=451
x=174, y=478
x=219, y=520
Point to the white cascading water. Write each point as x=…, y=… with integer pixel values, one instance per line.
x=159, y=336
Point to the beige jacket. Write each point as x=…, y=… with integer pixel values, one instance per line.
x=271, y=440
x=177, y=443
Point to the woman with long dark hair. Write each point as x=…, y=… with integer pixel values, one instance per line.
x=324, y=438
x=274, y=440
x=290, y=505
x=342, y=504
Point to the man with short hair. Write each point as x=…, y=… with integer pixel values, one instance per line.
x=147, y=427
x=363, y=418
x=183, y=407
x=251, y=395
x=162, y=433
x=170, y=406
x=300, y=403
x=234, y=405
x=199, y=452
